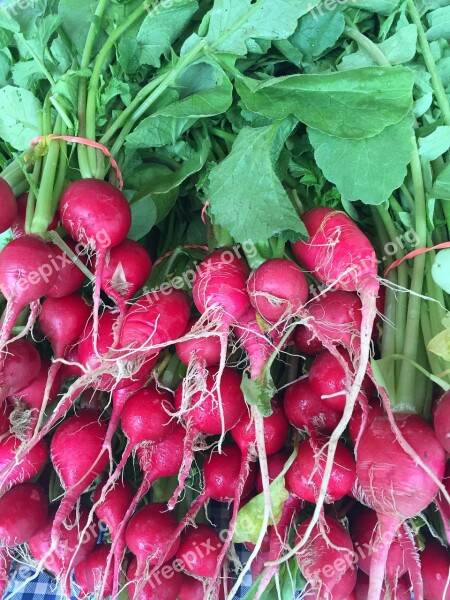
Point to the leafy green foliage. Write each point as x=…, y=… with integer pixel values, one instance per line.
x=19, y=116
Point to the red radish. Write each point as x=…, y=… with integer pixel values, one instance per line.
x=163, y=459
x=336, y=317
x=21, y=365
x=164, y=584
x=199, y=550
x=275, y=464
x=18, y=225
x=358, y=422
x=305, y=475
x=441, y=419
x=8, y=206
x=23, y=510
x=326, y=561
x=276, y=431
x=99, y=226
x=156, y=319
x=113, y=508
x=397, y=488
x=306, y=341
x=69, y=277
x=5, y=567
x=327, y=379
x=26, y=274
x=212, y=410
x=339, y=255
x=5, y=412
x=16, y=470
x=277, y=289
x=191, y=589
x=127, y=268
x=363, y=524
x=89, y=573
x=70, y=550
x=76, y=454
x=258, y=345
x=70, y=367
x=148, y=534
x=62, y=321
x=435, y=564
x=204, y=349
x=402, y=590
x=306, y=411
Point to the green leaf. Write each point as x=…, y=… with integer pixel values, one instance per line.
x=439, y=21
x=349, y=104
x=245, y=194
x=259, y=392
x=435, y=144
x=369, y=169
x=441, y=188
x=76, y=17
x=399, y=48
x=166, y=125
x=143, y=217
x=383, y=7
x=316, y=33
x=161, y=27
x=440, y=271
x=440, y=344
x=234, y=22
x=19, y=116
x=250, y=517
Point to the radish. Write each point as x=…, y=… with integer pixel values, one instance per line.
x=258, y=345
x=191, y=589
x=5, y=568
x=363, y=524
x=441, y=420
x=155, y=320
x=112, y=509
x=277, y=289
x=275, y=464
x=148, y=535
x=199, y=550
x=435, y=565
x=305, y=475
x=276, y=432
x=306, y=411
x=76, y=454
x=306, y=341
x=99, y=226
x=397, y=488
x=71, y=366
x=336, y=317
x=8, y=206
x=69, y=277
x=21, y=366
x=326, y=561
x=23, y=469
x=204, y=349
x=127, y=267
x=23, y=510
x=212, y=410
x=5, y=412
x=402, y=590
x=163, y=459
x=359, y=420
x=26, y=274
x=90, y=573
x=164, y=584
x=327, y=379
x=71, y=548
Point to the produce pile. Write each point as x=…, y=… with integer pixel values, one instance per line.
x=225, y=276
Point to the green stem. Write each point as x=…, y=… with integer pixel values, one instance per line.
x=366, y=44
x=82, y=87
x=31, y=200
x=44, y=212
x=94, y=82
x=436, y=81
x=406, y=385
x=61, y=111
x=61, y=173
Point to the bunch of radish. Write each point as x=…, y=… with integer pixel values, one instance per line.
x=140, y=448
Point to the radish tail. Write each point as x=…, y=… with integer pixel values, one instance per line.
x=188, y=458
x=34, y=311
x=10, y=315
x=386, y=531
x=412, y=560
x=5, y=565
x=100, y=264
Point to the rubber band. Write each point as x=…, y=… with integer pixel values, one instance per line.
x=85, y=142
x=415, y=253
x=205, y=206
x=168, y=254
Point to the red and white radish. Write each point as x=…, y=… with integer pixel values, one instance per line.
x=441, y=420
x=90, y=573
x=199, y=551
x=69, y=276
x=164, y=584
x=21, y=366
x=435, y=569
x=16, y=470
x=205, y=349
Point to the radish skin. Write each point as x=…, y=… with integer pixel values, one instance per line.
x=8, y=206
x=441, y=420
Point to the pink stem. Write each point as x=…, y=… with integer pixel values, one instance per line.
x=188, y=457
x=412, y=560
x=386, y=531
x=10, y=315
